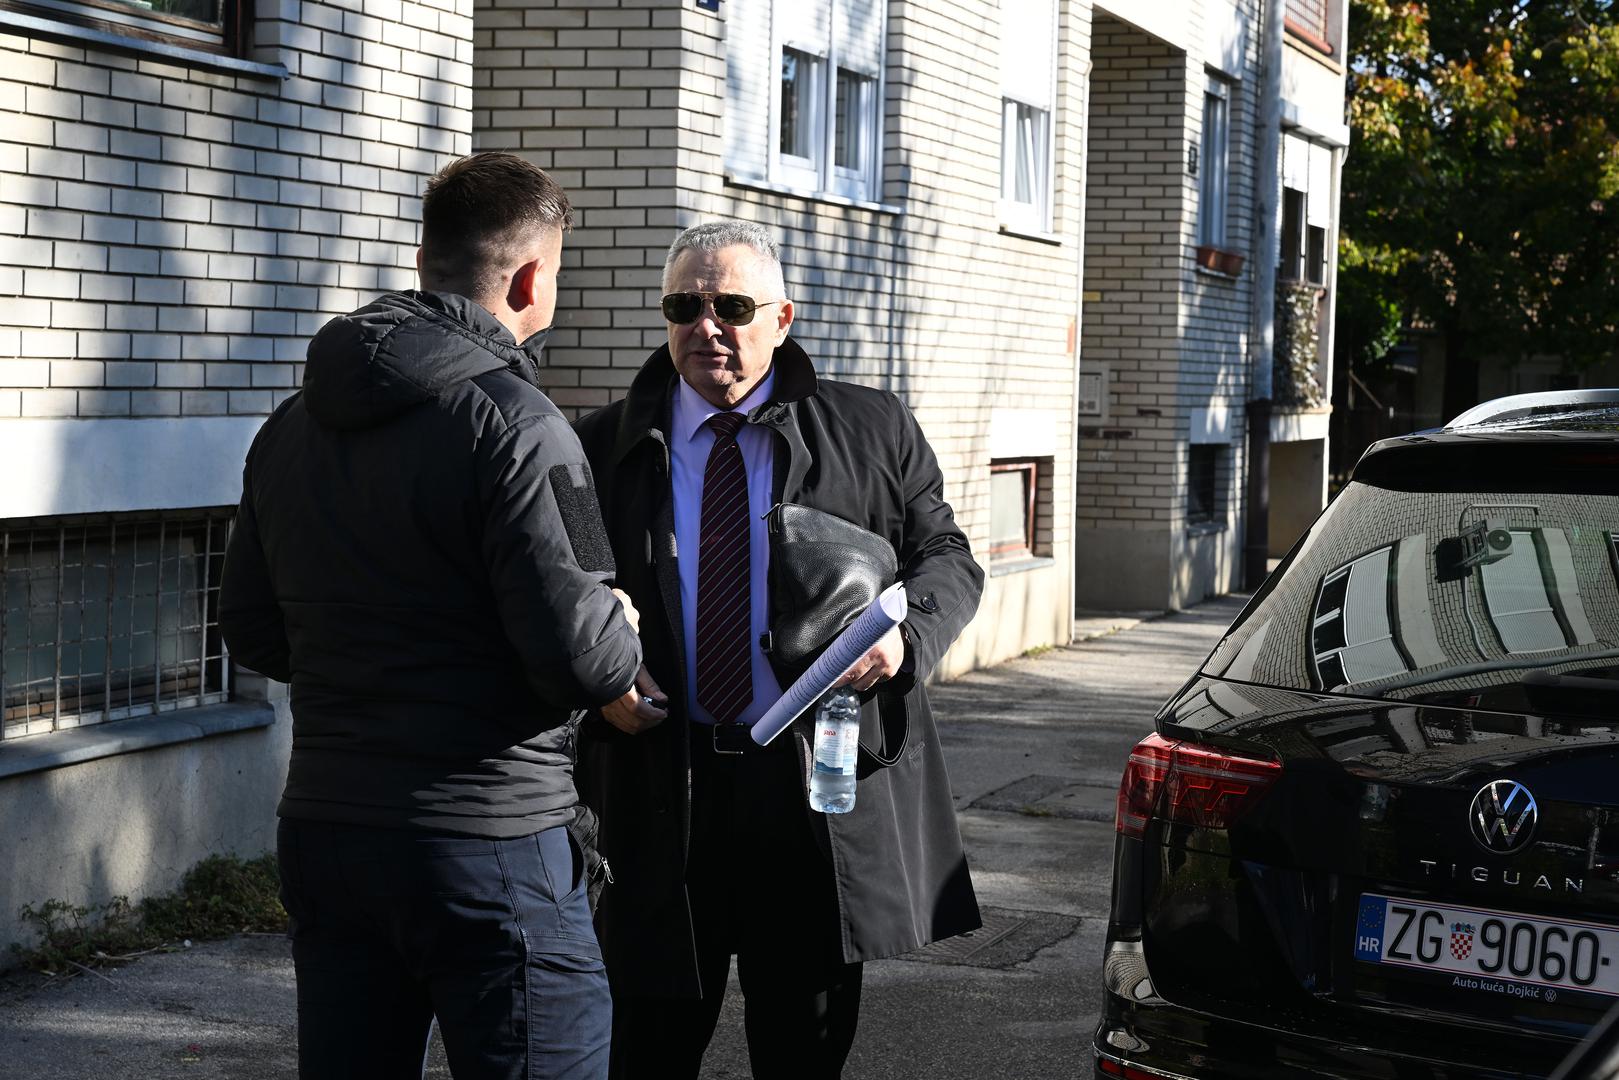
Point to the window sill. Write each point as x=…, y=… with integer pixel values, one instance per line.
x=1318, y=49
x=1204, y=528
x=1037, y=235
x=813, y=196
x=999, y=568
x=38, y=753
x=1215, y=275
x=33, y=26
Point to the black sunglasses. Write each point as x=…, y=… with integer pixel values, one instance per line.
x=732, y=309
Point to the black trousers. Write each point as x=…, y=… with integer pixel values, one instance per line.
x=762, y=890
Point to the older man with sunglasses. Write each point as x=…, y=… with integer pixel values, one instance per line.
x=713, y=849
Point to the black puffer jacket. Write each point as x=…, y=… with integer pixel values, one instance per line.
x=419, y=552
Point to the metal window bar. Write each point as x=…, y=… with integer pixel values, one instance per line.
x=99, y=623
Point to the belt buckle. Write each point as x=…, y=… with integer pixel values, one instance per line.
x=731, y=739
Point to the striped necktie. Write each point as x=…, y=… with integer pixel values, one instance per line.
x=724, y=661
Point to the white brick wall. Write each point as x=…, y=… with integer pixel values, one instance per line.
x=1173, y=338
x=587, y=90
x=1140, y=214
x=172, y=236
x=624, y=104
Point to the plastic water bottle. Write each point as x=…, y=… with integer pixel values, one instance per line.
x=837, y=744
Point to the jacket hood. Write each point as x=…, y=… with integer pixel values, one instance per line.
x=403, y=349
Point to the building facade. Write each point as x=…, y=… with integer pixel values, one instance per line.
x=1179, y=224
x=1034, y=220
x=179, y=213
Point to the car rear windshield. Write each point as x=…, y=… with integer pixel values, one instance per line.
x=1455, y=571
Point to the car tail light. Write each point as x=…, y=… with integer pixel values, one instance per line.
x=1188, y=783
x=1143, y=778
x=1110, y=1067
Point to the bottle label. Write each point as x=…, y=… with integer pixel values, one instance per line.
x=836, y=747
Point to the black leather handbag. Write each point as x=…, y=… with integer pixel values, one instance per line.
x=824, y=571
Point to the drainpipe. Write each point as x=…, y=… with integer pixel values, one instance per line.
x=1262, y=342
x=1079, y=337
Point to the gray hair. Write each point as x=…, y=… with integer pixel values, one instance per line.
x=727, y=232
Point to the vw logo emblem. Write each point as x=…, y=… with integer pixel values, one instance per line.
x=1503, y=817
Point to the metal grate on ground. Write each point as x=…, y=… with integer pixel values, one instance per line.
x=1006, y=939
x=108, y=617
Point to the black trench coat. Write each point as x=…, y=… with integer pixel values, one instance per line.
x=901, y=875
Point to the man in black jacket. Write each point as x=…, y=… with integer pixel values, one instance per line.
x=419, y=553
x=713, y=847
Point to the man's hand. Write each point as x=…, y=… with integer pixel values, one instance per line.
x=644, y=707
x=631, y=616
x=879, y=663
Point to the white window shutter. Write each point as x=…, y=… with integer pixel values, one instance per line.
x=1515, y=591
x=1370, y=653
x=749, y=68
x=806, y=25
x=1295, y=163
x=1567, y=586
x=1028, y=49
x=860, y=36
x=1318, y=207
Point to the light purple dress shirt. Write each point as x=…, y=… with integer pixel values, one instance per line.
x=690, y=441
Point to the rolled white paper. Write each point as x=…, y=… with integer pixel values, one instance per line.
x=885, y=613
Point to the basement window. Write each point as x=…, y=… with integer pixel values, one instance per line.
x=109, y=617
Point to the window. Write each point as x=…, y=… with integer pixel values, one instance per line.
x=1306, y=210
x=1028, y=89
x=1352, y=637
x=851, y=150
x=1304, y=246
x=1312, y=21
x=1017, y=491
x=1026, y=165
x=800, y=111
x=1532, y=594
x=1213, y=167
x=109, y=617
x=803, y=102
x=215, y=26
x=1203, y=484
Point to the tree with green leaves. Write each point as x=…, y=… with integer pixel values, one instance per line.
x=1479, y=189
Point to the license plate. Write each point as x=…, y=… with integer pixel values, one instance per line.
x=1482, y=946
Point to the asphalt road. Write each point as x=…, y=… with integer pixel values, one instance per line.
x=1035, y=747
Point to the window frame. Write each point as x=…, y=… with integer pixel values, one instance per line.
x=1036, y=214
x=1039, y=213
x=1014, y=552
x=795, y=169
x=228, y=39
x=858, y=180
x=820, y=174
x=1214, y=164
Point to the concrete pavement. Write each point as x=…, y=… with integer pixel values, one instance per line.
x=1035, y=747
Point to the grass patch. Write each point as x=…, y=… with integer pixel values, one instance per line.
x=220, y=896
x=1037, y=652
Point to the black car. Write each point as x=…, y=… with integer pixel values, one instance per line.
x=1377, y=835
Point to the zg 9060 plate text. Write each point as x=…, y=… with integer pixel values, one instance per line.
x=1477, y=941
